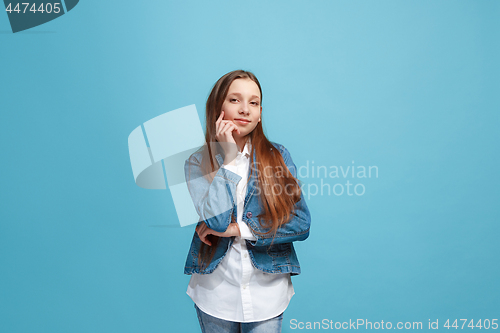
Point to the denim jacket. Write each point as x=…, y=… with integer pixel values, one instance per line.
x=215, y=202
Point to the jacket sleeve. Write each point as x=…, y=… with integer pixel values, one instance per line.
x=297, y=229
x=214, y=201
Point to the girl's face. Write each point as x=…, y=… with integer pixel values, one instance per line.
x=242, y=106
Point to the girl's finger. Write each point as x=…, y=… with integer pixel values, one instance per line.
x=226, y=127
x=229, y=130
x=218, y=128
x=237, y=128
x=201, y=235
x=217, y=123
x=221, y=117
x=222, y=129
x=198, y=230
x=205, y=233
x=205, y=240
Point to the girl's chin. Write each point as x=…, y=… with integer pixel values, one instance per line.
x=242, y=135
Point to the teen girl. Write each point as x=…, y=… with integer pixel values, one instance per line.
x=251, y=209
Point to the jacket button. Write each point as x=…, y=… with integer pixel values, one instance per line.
x=249, y=215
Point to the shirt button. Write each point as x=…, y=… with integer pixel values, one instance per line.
x=244, y=286
x=249, y=214
x=246, y=255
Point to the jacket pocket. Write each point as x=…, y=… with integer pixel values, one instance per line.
x=280, y=250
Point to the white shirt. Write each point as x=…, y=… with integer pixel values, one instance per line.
x=236, y=290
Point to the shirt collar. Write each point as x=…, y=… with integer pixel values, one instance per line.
x=246, y=149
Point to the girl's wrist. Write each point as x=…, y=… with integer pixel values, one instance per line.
x=236, y=230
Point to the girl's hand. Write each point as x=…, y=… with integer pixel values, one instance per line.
x=224, y=134
x=203, y=231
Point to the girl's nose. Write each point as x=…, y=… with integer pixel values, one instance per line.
x=244, y=108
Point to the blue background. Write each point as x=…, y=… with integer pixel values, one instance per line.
x=411, y=87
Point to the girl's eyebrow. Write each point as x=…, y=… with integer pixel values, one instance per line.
x=238, y=94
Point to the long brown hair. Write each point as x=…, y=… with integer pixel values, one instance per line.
x=278, y=208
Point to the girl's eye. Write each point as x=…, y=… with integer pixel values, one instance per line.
x=255, y=103
x=233, y=99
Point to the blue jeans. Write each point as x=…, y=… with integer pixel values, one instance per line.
x=211, y=324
